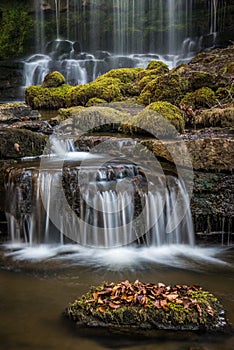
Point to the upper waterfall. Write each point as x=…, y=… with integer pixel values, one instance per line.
x=84, y=39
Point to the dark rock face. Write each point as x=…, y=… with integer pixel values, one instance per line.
x=15, y=143
x=11, y=81
x=11, y=112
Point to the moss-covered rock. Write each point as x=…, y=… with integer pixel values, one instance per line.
x=39, y=97
x=127, y=77
x=157, y=65
x=53, y=79
x=108, y=89
x=148, y=121
x=94, y=118
x=201, y=98
x=208, y=154
x=148, y=306
x=167, y=87
x=18, y=143
x=11, y=112
x=170, y=112
x=95, y=101
x=215, y=117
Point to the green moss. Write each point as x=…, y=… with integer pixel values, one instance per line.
x=149, y=121
x=229, y=68
x=47, y=98
x=170, y=112
x=53, y=79
x=225, y=94
x=93, y=119
x=157, y=65
x=215, y=117
x=127, y=77
x=197, y=80
x=147, y=76
x=108, y=89
x=201, y=98
x=168, y=87
x=95, y=101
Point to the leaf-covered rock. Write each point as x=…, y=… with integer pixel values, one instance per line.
x=148, y=306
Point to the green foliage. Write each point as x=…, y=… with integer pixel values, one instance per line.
x=201, y=98
x=15, y=30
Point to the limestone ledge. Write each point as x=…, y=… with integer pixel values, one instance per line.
x=208, y=154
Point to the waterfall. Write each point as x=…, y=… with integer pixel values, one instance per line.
x=87, y=42
x=95, y=205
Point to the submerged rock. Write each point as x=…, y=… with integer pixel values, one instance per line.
x=146, y=306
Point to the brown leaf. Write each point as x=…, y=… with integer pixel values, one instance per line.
x=114, y=306
x=100, y=301
x=95, y=295
x=105, y=291
x=101, y=309
x=171, y=297
x=199, y=309
x=209, y=310
x=164, y=305
x=157, y=304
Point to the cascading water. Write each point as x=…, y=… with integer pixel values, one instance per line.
x=133, y=33
x=97, y=206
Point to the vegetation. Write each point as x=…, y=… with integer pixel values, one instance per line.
x=14, y=38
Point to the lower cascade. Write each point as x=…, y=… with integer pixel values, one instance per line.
x=96, y=206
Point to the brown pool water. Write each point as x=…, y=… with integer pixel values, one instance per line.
x=36, y=285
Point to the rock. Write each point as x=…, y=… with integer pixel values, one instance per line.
x=53, y=79
x=215, y=117
x=10, y=112
x=145, y=306
x=17, y=143
x=208, y=154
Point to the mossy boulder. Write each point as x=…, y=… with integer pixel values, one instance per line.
x=147, y=306
x=11, y=112
x=148, y=121
x=148, y=75
x=53, y=79
x=157, y=65
x=172, y=113
x=108, y=89
x=127, y=77
x=95, y=101
x=93, y=119
x=167, y=87
x=201, y=98
x=39, y=97
x=18, y=143
x=215, y=117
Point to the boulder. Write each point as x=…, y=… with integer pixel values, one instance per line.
x=206, y=154
x=18, y=143
x=146, y=306
x=10, y=112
